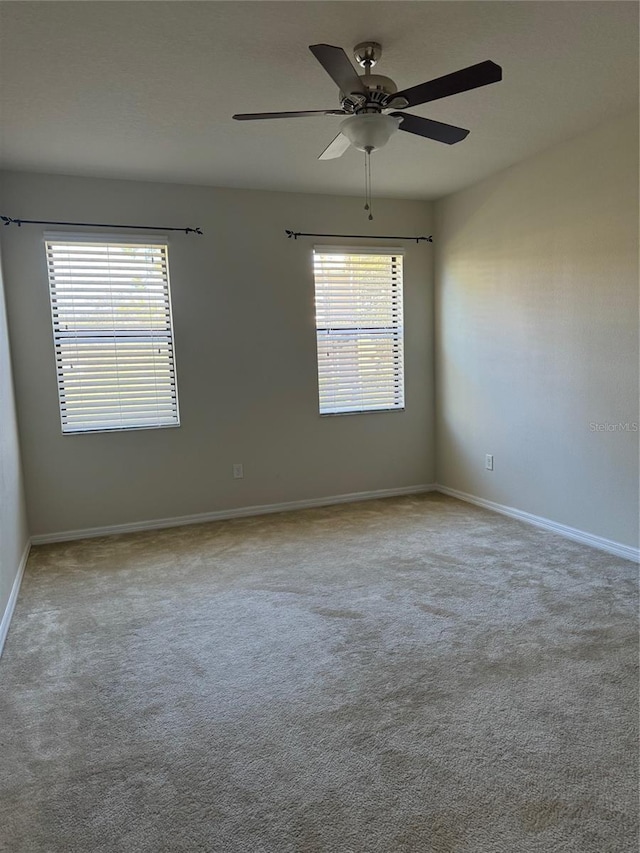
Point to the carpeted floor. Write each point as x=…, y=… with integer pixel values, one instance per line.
x=413, y=675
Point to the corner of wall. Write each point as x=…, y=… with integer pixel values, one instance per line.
x=14, y=534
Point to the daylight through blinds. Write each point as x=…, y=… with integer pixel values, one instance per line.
x=111, y=312
x=359, y=330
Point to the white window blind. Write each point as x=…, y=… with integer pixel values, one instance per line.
x=359, y=330
x=112, y=331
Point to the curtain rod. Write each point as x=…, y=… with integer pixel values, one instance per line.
x=296, y=234
x=8, y=220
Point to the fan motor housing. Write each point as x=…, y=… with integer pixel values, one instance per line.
x=379, y=83
x=378, y=89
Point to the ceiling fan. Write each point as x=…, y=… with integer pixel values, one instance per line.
x=371, y=102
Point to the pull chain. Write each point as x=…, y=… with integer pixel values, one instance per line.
x=366, y=183
x=370, y=198
x=368, y=202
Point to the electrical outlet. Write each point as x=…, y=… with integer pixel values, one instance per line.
x=488, y=461
x=238, y=471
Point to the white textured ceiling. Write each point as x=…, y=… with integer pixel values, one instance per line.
x=146, y=90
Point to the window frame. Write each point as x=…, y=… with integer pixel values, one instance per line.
x=399, y=328
x=116, y=239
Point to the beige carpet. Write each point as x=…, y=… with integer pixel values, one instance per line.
x=413, y=674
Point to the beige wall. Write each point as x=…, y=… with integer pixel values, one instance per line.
x=537, y=334
x=536, y=329
x=13, y=519
x=245, y=350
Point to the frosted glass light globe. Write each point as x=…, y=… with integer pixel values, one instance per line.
x=369, y=131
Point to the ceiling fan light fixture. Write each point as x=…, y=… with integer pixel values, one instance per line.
x=369, y=131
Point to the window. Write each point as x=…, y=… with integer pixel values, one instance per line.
x=112, y=331
x=359, y=329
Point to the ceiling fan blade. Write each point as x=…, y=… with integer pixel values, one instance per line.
x=337, y=65
x=254, y=116
x=335, y=148
x=460, y=81
x=447, y=133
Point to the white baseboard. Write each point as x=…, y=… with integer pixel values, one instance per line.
x=221, y=515
x=13, y=597
x=625, y=551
